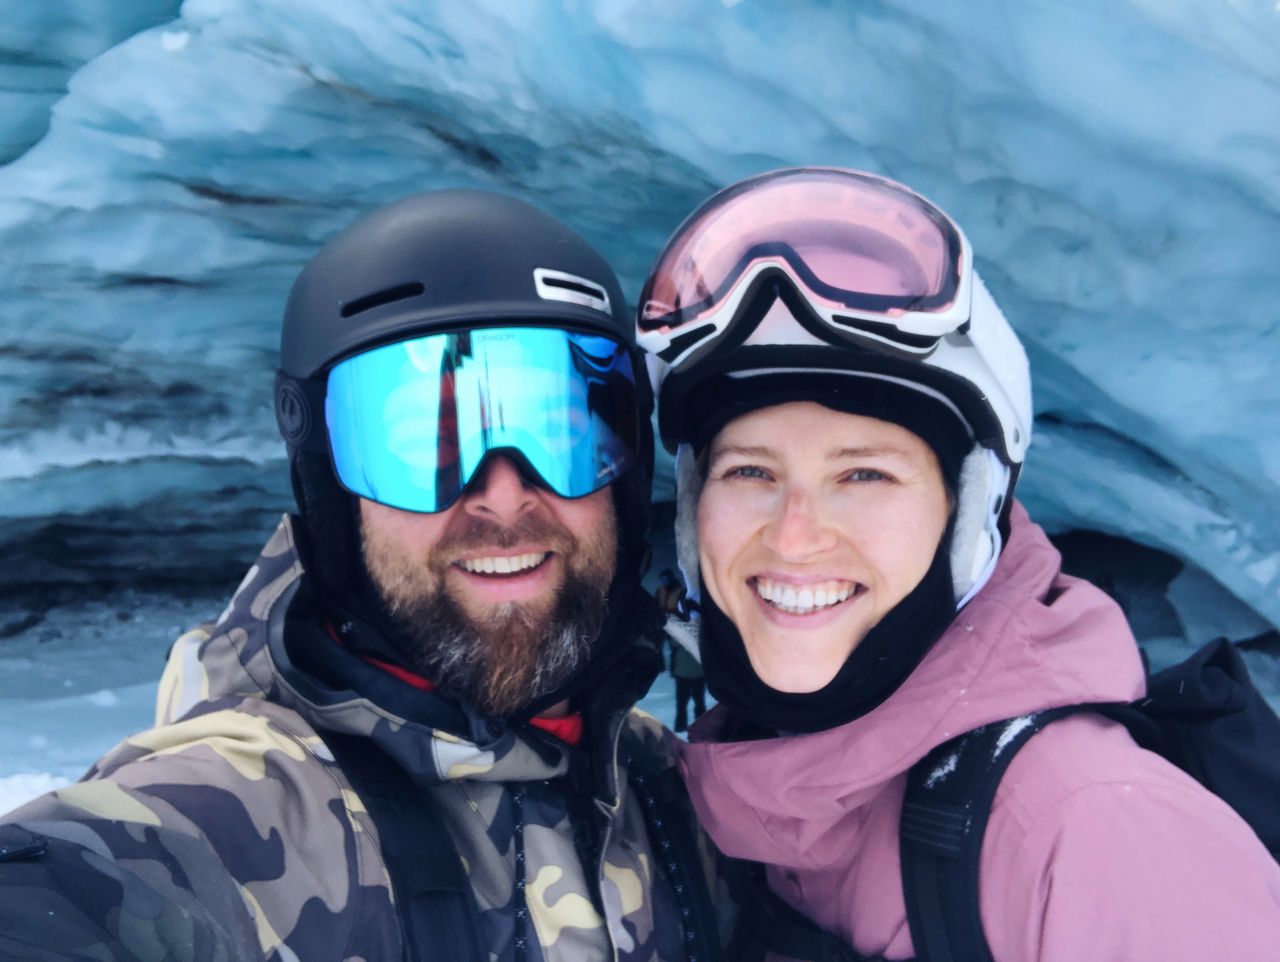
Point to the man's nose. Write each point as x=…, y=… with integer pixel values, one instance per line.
x=499, y=492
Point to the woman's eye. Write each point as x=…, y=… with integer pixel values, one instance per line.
x=746, y=471
x=867, y=474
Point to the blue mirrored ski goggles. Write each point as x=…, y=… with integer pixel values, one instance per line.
x=410, y=423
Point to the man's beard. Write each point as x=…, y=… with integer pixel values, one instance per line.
x=502, y=657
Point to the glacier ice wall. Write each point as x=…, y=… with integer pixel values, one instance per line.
x=1115, y=162
x=41, y=47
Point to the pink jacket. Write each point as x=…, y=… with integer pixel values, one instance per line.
x=1096, y=850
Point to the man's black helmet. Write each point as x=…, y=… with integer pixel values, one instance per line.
x=442, y=260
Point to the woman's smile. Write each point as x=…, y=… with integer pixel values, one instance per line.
x=804, y=599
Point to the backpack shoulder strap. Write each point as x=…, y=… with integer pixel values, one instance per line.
x=433, y=897
x=1204, y=715
x=944, y=816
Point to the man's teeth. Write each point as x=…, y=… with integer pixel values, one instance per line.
x=802, y=601
x=504, y=565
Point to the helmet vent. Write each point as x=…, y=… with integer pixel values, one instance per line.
x=559, y=286
x=392, y=294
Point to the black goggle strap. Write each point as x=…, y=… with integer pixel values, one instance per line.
x=299, y=404
x=772, y=284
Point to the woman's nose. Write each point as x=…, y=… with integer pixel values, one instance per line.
x=499, y=492
x=800, y=528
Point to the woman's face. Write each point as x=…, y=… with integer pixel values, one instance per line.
x=812, y=525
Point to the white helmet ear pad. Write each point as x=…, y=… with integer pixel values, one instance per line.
x=975, y=539
x=688, y=490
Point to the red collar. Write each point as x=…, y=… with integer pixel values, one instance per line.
x=568, y=728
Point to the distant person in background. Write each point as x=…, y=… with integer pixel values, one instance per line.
x=410, y=734
x=691, y=686
x=849, y=411
x=685, y=669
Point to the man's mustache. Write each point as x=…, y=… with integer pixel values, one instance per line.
x=483, y=533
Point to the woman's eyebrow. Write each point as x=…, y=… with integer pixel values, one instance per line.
x=743, y=450
x=869, y=451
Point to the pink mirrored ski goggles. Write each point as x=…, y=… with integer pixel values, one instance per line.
x=872, y=259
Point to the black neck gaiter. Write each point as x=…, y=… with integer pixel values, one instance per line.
x=877, y=666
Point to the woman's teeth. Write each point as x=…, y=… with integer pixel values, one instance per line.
x=804, y=600
x=503, y=566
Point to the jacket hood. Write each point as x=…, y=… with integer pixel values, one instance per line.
x=1032, y=638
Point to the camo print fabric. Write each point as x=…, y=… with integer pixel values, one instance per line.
x=228, y=831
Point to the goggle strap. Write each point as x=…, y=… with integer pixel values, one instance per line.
x=299, y=404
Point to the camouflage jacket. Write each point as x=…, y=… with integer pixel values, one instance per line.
x=229, y=830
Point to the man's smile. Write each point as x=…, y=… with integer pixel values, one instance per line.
x=503, y=564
